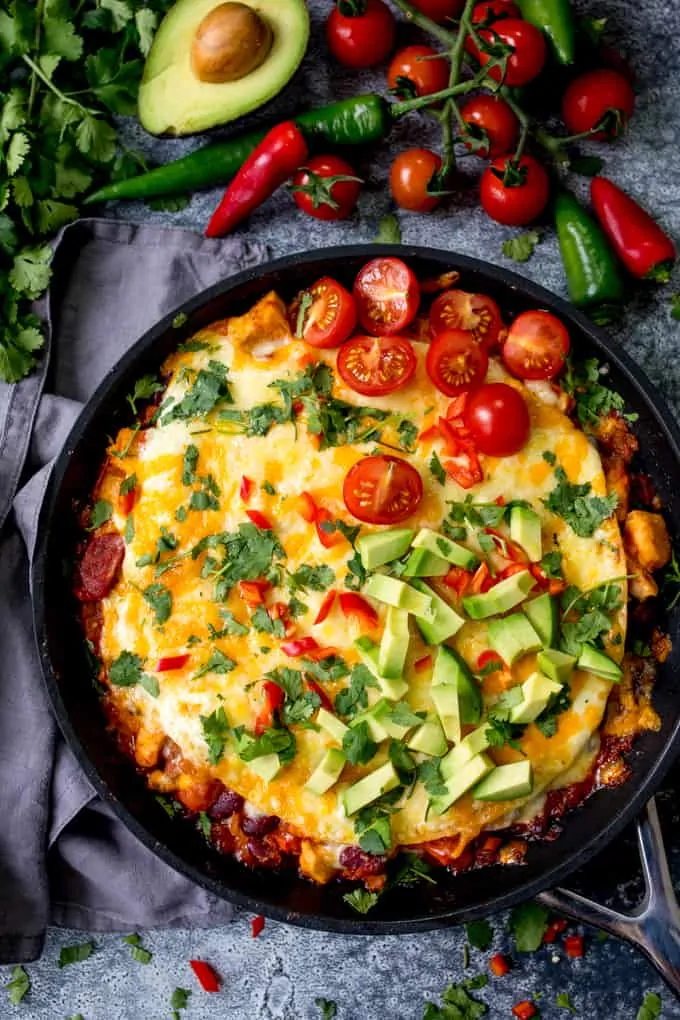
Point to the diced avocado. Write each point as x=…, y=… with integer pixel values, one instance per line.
x=381, y=710
x=506, y=782
x=543, y=613
x=382, y=547
x=445, y=700
x=423, y=563
x=394, y=644
x=537, y=691
x=595, y=661
x=368, y=789
x=376, y=729
x=503, y=596
x=397, y=593
x=440, y=545
x=557, y=665
x=513, y=636
x=429, y=738
x=525, y=529
x=463, y=779
x=449, y=668
x=327, y=772
x=266, y=766
x=368, y=653
x=446, y=621
x=474, y=743
x=331, y=725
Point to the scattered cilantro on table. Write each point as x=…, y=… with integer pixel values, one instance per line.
x=179, y=1000
x=528, y=923
x=479, y=934
x=137, y=951
x=521, y=247
x=458, y=1004
x=650, y=1008
x=562, y=1001
x=75, y=954
x=329, y=1010
x=389, y=230
x=18, y=985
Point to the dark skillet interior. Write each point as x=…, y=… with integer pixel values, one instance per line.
x=75, y=700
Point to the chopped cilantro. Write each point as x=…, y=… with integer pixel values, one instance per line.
x=217, y=663
x=592, y=399
x=276, y=740
x=671, y=579
x=296, y=608
x=414, y=870
x=549, y=457
x=209, y=390
x=230, y=626
x=528, y=923
x=403, y=715
x=437, y=469
x=126, y=671
x=189, y=464
x=481, y=515
x=429, y=774
x=354, y=697
x=75, y=954
x=266, y=624
x=574, y=504
x=479, y=934
x=551, y=564
x=128, y=485
x=547, y=720
x=372, y=823
x=300, y=703
x=592, y=612
x=562, y=1001
x=268, y=488
x=144, y=389
x=333, y=667
x=650, y=1008
x=179, y=999
x=248, y=555
x=357, y=745
x=160, y=600
x=216, y=731
x=389, y=230
x=129, y=532
x=309, y=578
x=306, y=302
x=138, y=952
x=329, y=1010
x=521, y=247
x=177, y=323
x=18, y=986
x=458, y=1003
x=403, y=761
x=101, y=512
x=361, y=900
x=408, y=433
x=181, y=514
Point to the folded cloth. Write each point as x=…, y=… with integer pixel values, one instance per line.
x=64, y=857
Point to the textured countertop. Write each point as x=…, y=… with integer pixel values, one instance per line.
x=278, y=975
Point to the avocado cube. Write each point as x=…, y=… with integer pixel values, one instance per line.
x=267, y=766
x=331, y=725
x=543, y=614
x=376, y=730
x=557, y=665
x=423, y=563
x=525, y=530
x=474, y=743
x=369, y=653
x=327, y=772
x=394, y=644
x=503, y=596
x=440, y=545
x=368, y=789
x=471, y=773
x=512, y=637
x=537, y=691
x=382, y=711
x=429, y=738
x=382, y=547
x=445, y=700
x=595, y=661
x=446, y=620
x=506, y=782
x=394, y=592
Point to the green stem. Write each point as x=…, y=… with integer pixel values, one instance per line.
x=53, y=88
x=521, y=117
x=451, y=107
x=421, y=102
x=416, y=17
x=36, y=46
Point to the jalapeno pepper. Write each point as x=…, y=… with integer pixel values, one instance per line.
x=643, y=247
x=593, y=276
x=556, y=19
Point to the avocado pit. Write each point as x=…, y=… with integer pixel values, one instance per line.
x=230, y=42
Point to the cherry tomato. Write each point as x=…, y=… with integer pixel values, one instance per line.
x=382, y=490
x=493, y=10
x=426, y=70
x=376, y=365
x=476, y=313
x=514, y=193
x=536, y=346
x=327, y=188
x=593, y=95
x=498, y=419
x=411, y=173
x=492, y=115
x=439, y=10
x=331, y=316
x=456, y=362
x=361, y=40
x=387, y=294
x=529, y=50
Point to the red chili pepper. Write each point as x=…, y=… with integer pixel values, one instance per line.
x=643, y=247
x=259, y=520
x=512, y=568
x=500, y=501
x=481, y=580
x=573, y=946
x=420, y=665
x=280, y=153
x=169, y=662
x=456, y=408
x=325, y=607
x=126, y=501
x=207, y=978
x=463, y=465
x=499, y=965
x=554, y=929
x=252, y=592
x=246, y=490
x=459, y=579
x=307, y=508
x=274, y=698
x=323, y=697
x=357, y=606
x=299, y=646
x=257, y=924
x=554, y=585
x=327, y=538
x=524, y=1010
x=429, y=434
x=486, y=657
x=506, y=547
x=317, y=654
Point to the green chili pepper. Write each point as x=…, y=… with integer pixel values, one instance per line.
x=556, y=19
x=595, y=282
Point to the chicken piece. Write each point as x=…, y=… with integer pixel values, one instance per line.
x=618, y=483
x=263, y=329
x=148, y=744
x=661, y=645
x=316, y=862
x=615, y=438
x=646, y=539
x=641, y=585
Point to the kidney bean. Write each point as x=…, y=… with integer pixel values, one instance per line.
x=361, y=864
x=259, y=825
x=228, y=803
x=266, y=854
x=223, y=838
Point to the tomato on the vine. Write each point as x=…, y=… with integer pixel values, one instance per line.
x=455, y=362
x=528, y=51
x=490, y=116
x=418, y=71
x=478, y=314
x=382, y=490
x=376, y=365
x=488, y=11
x=439, y=10
x=536, y=346
x=326, y=188
x=597, y=96
x=498, y=419
x=412, y=172
x=360, y=33
x=514, y=193
x=330, y=315
x=387, y=295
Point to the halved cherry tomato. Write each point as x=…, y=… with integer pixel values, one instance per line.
x=492, y=116
x=463, y=465
x=253, y=592
x=126, y=501
x=246, y=489
x=498, y=418
x=476, y=313
x=524, y=1010
x=499, y=965
x=327, y=188
x=418, y=71
x=362, y=39
x=420, y=665
x=320, y=693
x=528, y=50
x=489, y=657
x=376, y=365
x=455, y=362
x=514, y=193
x=382, y=489
x=207, y=978
x=411, y=175
x=536, y=346
x=168, y=662
x=256, y=925
x=387, y=294
x=591, y=96
x=573, y=946
x=259, y=520
x=299, y=646
x=325, y=607
x=355, y=605
x=331, y=316
x=306, y=507
x=327, y=538
x=439, y=10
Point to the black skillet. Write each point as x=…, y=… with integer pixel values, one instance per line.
x=655, y=928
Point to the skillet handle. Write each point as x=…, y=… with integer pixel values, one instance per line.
x=654, y=926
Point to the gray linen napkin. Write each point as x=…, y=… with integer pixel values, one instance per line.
x=64, y=858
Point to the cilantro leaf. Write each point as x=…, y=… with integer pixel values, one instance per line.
x=18, y=986
x=547, y=720
x=329, y=1010
x=309, y=578
x=189, y=464
x=479, y=934
x=275, y=740
x=138, y=952
x=437, y=469
x=354, y=697
x=675, y=306
x=102, y=512
x=528, y=923
x=408, y=433
x=389, y=230
x=75, y=954
x=521, y=247
x=144, y=389
x=551, y=564
x=593, y=400
x=248, y=554
x=216, y=732
x=562, y=1001
x=217, y=663
x=126, y=670
x=266, y=624
x=414, y=870
x=209, y=390
x=230, y=625
x=300, y=703
x=574, y=504
x=180, y=998
x=160, y=600
x=361, y=900
x=650, y=1008
x=458, y=1004
x=357, y=745
x=429, y=774
x=31, y=272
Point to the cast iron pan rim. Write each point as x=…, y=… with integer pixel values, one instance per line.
x=550, y=878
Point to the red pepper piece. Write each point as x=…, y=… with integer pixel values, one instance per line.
x=257, y=924
x=299, y=646
x=420, y=665
x=252, y=592
x=481, y=580
x=524, y=1010
x=326, y=606
x=259, y=520
x=126, y=501
x=554, y=929
x=280, y=153
x=554, y=585
x=274, y=698
x=459, y=579
x=429, y=434
x=506, y=547
x=645, y=250
x=499, y=965
x=169, y=662
x=327, y=538
x=456, y=408
x=487, y=657
x=357, y=606
x=246, y=490
x=207, y=978
x=512, y=568
x=323, y=697
x=573, y=946
x=307, y=508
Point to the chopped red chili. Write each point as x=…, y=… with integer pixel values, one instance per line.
x=524, y=1010
x=299, y=646
x=554, y=929
x=257, y=924
x=252, y=592
x=169, y=662
x=356, y=605
x=207, y=978
x=499, y=965
x=246, y=490
x=259, y=520
x=325, y=607
x=573, y=945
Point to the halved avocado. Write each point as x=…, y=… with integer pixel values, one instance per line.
x=174, y=101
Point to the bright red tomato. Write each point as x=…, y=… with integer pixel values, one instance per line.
x=327, y=188
x=529, y=50
x=361, y=40
x=514, y=193
x=418, y=70
x=492, y=116
x=410, y=177
x=476, y=313
x=375, y=365
x=592, y=96
x=536, y=346
x=387, y=294
x=456, y=362
x=382, y=490
x=439, y=10
x=488, y=11
x=498, y=419
x=331, y=316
